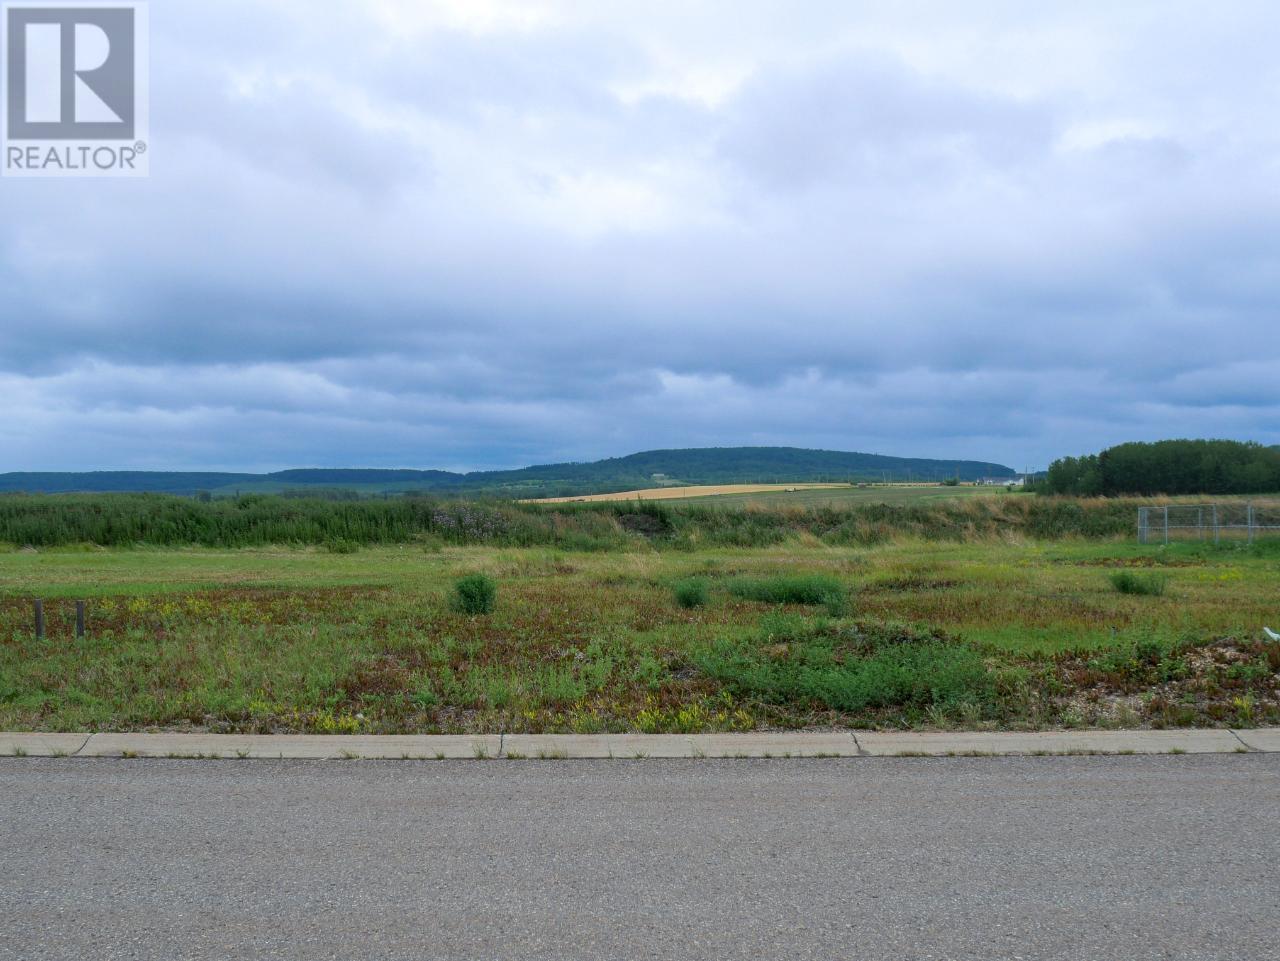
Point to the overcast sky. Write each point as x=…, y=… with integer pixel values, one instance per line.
x=480, y=234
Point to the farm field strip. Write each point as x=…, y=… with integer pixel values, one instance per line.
x=681, y=493
x=845, y=496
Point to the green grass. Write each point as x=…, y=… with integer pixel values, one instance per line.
x=1014, y=633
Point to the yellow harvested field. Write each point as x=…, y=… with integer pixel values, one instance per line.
x=674, y=493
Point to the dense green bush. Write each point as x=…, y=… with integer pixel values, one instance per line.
x=475, y=594
x=691, y=592
x=1128, y=582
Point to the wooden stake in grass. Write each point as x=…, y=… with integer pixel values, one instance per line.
x=39, y=610
x=79, y=618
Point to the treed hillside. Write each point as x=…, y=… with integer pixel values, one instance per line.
x=724, y=465
x=1168, y=467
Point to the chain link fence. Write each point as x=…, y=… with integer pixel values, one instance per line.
x=1235, y=520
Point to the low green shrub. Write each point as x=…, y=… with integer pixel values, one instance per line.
x=1137, y=662
x=691, y=592
x=812, y=589
x=426, y=697
x=853, y=669
x=475, y=594
x=341, y=545
x=1128, y=582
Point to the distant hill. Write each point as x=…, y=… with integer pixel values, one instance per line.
x=714, y=465
x=740, y=465
x=158, y=482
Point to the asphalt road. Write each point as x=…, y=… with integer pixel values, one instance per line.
x=1081, y=858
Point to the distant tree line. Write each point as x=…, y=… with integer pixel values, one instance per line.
x=1168, y=467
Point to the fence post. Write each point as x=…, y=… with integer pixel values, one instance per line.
x=1215, y=523
x=1144, y=523
x=1250, y=517
x=1200, y=523
x=79, y=618
x=39, y=612
x=1166, y=524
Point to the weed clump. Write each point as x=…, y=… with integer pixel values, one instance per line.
x=811, y=589
x=1137, y=663
x=691, y=592
x=475, y=594
x=1128, y=582
x=853, y=669
x=341, y=545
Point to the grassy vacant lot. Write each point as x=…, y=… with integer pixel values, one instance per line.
x=994, y=633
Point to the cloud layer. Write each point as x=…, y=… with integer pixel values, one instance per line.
x=484, y=234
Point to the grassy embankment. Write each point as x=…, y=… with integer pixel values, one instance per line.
x=124, y=520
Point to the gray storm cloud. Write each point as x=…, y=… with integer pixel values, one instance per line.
x=482, y=235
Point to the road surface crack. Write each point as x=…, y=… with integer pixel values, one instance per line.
x=1247, y=747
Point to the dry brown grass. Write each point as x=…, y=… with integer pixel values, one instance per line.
x=675, y=493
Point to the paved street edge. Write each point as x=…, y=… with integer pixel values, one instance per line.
x=849, y=744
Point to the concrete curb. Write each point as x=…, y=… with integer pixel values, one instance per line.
x=622, y=746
